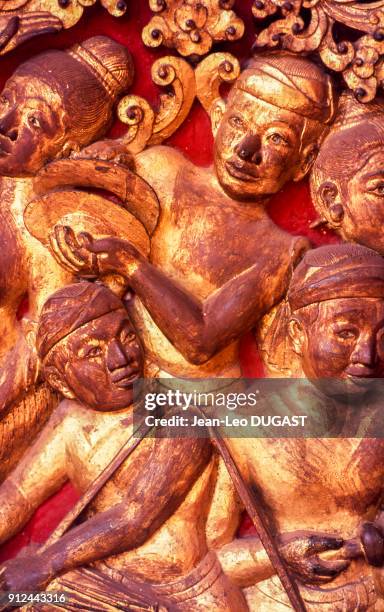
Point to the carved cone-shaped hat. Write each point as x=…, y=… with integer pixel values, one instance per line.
x=89, y=79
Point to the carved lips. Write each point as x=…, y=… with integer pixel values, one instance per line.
x=242, y=171
x=125, y=377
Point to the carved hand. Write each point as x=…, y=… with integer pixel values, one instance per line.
x=301, y=552
x=82, y=254
x=16, y=29
x=25, y=574
x=107, y=150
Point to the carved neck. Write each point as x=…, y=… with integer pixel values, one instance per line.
x=254, y=209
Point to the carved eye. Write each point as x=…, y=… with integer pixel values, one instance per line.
x=379, y=189
x=277, y=139
x=34, y=122
x=236, y=121
x=128, y=336
x=94, y=352
x=3, y=100
x=347, y=334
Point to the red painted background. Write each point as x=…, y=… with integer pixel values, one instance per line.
x=291, y=209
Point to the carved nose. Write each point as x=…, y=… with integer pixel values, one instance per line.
x=249, y=149
x=365, y=352
x=6, y=126
x=116, y=357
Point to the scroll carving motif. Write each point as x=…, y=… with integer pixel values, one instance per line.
x=145, y=126
x=192, y=27
x=360, y=60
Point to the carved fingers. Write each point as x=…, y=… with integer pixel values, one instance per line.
x=301, y=552
x=72, y=251
x=107, y=150
x=81, y=254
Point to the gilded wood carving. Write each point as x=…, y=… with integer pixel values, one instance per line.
x=140, y=265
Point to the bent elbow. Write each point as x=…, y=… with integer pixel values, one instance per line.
x=198, y=353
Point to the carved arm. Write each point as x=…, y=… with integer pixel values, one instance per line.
x=197, y=329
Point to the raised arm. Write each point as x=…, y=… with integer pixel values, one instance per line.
x=197, y=329
x=40, y=473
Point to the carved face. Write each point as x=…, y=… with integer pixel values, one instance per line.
x=344, y=341
x=32, y=130
x=362, y=200
x=100, y=361
x=258, y=148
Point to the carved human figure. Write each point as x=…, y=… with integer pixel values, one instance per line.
x=335, y=322
x=347, y=182
x=147, y=522
x=218, y=262
x=54, y=104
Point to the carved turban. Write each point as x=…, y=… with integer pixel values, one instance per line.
x=336, y=271
x=89, y=78
x=71, y=307
x=291, y=82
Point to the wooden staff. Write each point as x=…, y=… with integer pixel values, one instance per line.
x=257, y=516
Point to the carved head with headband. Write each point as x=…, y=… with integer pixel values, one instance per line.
x=88, y=346
x=269, y=130
x=332, y=319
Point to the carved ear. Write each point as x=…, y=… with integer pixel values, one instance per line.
x=216, y=113
x=55, y=379
x=329, y=196
x=309, y=154
x=297, y=334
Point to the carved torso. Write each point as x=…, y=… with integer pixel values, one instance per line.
x=171, y=550
x=288, y=474
x=203, y=240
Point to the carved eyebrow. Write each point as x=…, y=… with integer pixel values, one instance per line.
x=379, y=172
x=285, y=125
x=347, y=311
x=42, y=103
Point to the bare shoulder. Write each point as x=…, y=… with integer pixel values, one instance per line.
x=67, y=413
x=160, y=165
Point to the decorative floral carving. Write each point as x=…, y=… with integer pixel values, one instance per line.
x=360, y=60
x=191, y=27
